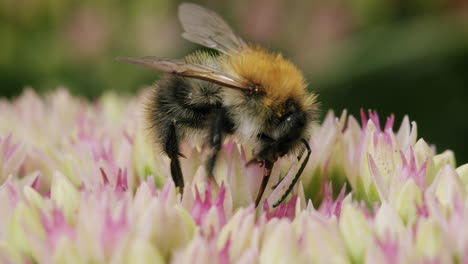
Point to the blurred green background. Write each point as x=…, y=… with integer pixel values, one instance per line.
x=395, y=56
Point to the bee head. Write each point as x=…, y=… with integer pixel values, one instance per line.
x=281, y=134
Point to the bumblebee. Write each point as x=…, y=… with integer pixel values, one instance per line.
x=246, y=91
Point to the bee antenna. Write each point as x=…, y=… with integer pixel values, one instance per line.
x=298, y=174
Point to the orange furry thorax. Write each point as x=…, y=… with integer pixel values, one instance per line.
x=278, y=76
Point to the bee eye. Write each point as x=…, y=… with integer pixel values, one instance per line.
x=265, y=138
x=295, y=120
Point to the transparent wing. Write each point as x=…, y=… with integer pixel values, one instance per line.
x=205, y=27
x=192, y=70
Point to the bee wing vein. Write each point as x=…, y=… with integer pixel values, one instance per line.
x=205, y=27
x=191, y=70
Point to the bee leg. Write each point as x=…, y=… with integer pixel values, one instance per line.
x=266, y=177
x=298, y=174
x=171, y=147
x=278, y=183
x=221, y=124
x=211, y=163
x=282, y=178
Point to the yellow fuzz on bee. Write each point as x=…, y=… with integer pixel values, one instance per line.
x=279, y=77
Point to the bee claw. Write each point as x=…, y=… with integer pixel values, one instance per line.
x=181, y=155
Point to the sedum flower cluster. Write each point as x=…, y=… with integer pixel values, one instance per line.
x=81, y=183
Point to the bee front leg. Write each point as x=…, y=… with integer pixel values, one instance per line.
x=298, y=174
x=266, y=176
x=171, y=147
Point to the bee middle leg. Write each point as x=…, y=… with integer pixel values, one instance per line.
x=220, y=126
